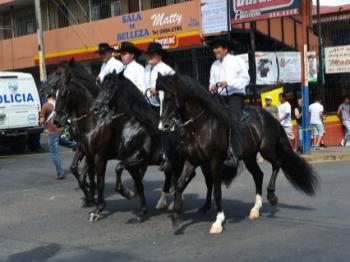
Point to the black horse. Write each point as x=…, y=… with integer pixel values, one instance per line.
x=118, y=135
x=187, y=105
x=59, y=77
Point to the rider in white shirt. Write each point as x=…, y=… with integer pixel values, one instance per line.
x=229, y=77
x=155, y=65
x=110, y=64
x=133, y=70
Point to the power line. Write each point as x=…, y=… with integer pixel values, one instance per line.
x=74, y=30
x=82, y=8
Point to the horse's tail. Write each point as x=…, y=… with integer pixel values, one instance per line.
x=229, y=174
x=296, y=169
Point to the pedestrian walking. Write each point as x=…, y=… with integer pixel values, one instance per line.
x=344, y=114
x=272, y=109
x=298, y=112
x=46, y=116
x=285, y=118
x=316, y=123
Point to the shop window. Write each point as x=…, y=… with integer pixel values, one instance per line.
x=340, y=36
x=116, y=8
x=63, y=14
x=25, y=24
x=101, y=9
x=158, y=3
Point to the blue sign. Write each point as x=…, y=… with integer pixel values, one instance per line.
x=16, y=98
x=32, y=119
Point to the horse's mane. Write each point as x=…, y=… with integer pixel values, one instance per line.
x=126, y=96
x=80, y=73
x=193, y=90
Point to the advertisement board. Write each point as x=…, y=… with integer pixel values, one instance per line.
x=337, y=59
x=253, y=10
x=214, y=16
x=164, y=25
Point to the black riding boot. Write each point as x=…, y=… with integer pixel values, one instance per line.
x=232, y=160
x=235, y=106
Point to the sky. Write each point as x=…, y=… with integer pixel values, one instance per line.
x=333, y=2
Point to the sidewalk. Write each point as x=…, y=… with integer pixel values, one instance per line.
x=329, y=154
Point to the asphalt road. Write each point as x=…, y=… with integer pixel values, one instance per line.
x=41, y=219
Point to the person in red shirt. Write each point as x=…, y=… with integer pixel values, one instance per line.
x=46, y=116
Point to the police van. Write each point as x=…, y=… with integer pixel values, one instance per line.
x=19, y=110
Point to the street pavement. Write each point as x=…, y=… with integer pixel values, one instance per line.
x=41, y=219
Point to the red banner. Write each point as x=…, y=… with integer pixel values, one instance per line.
x=253, y=10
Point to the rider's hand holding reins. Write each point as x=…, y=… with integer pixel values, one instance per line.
x=153, y=91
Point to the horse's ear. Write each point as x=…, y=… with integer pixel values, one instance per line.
x=114, y=71
x=159, y=75
x=121, y=75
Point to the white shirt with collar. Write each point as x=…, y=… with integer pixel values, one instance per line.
x=151, y=75
x=109, y=66
x=135, y=73
x=283, y=109
x=234, y=71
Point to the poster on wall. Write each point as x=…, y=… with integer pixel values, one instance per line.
x=289, y=67
x=266, y=68
x=214, y=16
x=312, y=63
x=252, y=10
x=337, y=59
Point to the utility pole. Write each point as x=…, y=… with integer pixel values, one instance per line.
x=228, y=4
x=320, y=79
x=305, y=81
x=41, y=49
x=140, y=5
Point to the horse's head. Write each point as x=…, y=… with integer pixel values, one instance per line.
x=72, y=100
x=110, y=84
x=169, y=105
x=62, y=108
x=61, y=75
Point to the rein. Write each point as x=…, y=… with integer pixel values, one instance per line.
x=77, y=119
x=191, y=120
x=118, y=116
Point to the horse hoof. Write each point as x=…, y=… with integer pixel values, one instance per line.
x=171, y=206
x=161, y=205
x=176, y=221
x=273, y=200
x=94, y=217
x=216, y=229
x=254, y=214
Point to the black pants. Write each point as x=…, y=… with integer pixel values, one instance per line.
x=235, y=107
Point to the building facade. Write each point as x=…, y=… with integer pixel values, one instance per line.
x=73, y=28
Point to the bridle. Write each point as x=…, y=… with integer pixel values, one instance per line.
x=178, y=124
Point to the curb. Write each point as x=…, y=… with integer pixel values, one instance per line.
x=326, y=157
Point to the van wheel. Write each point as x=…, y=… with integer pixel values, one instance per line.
x=18, y=144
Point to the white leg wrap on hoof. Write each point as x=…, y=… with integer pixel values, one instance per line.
x=162, y=202
x=216, y=227
x=94, y=217
x=255, y=211
x=132, y=194
x=171, y=206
